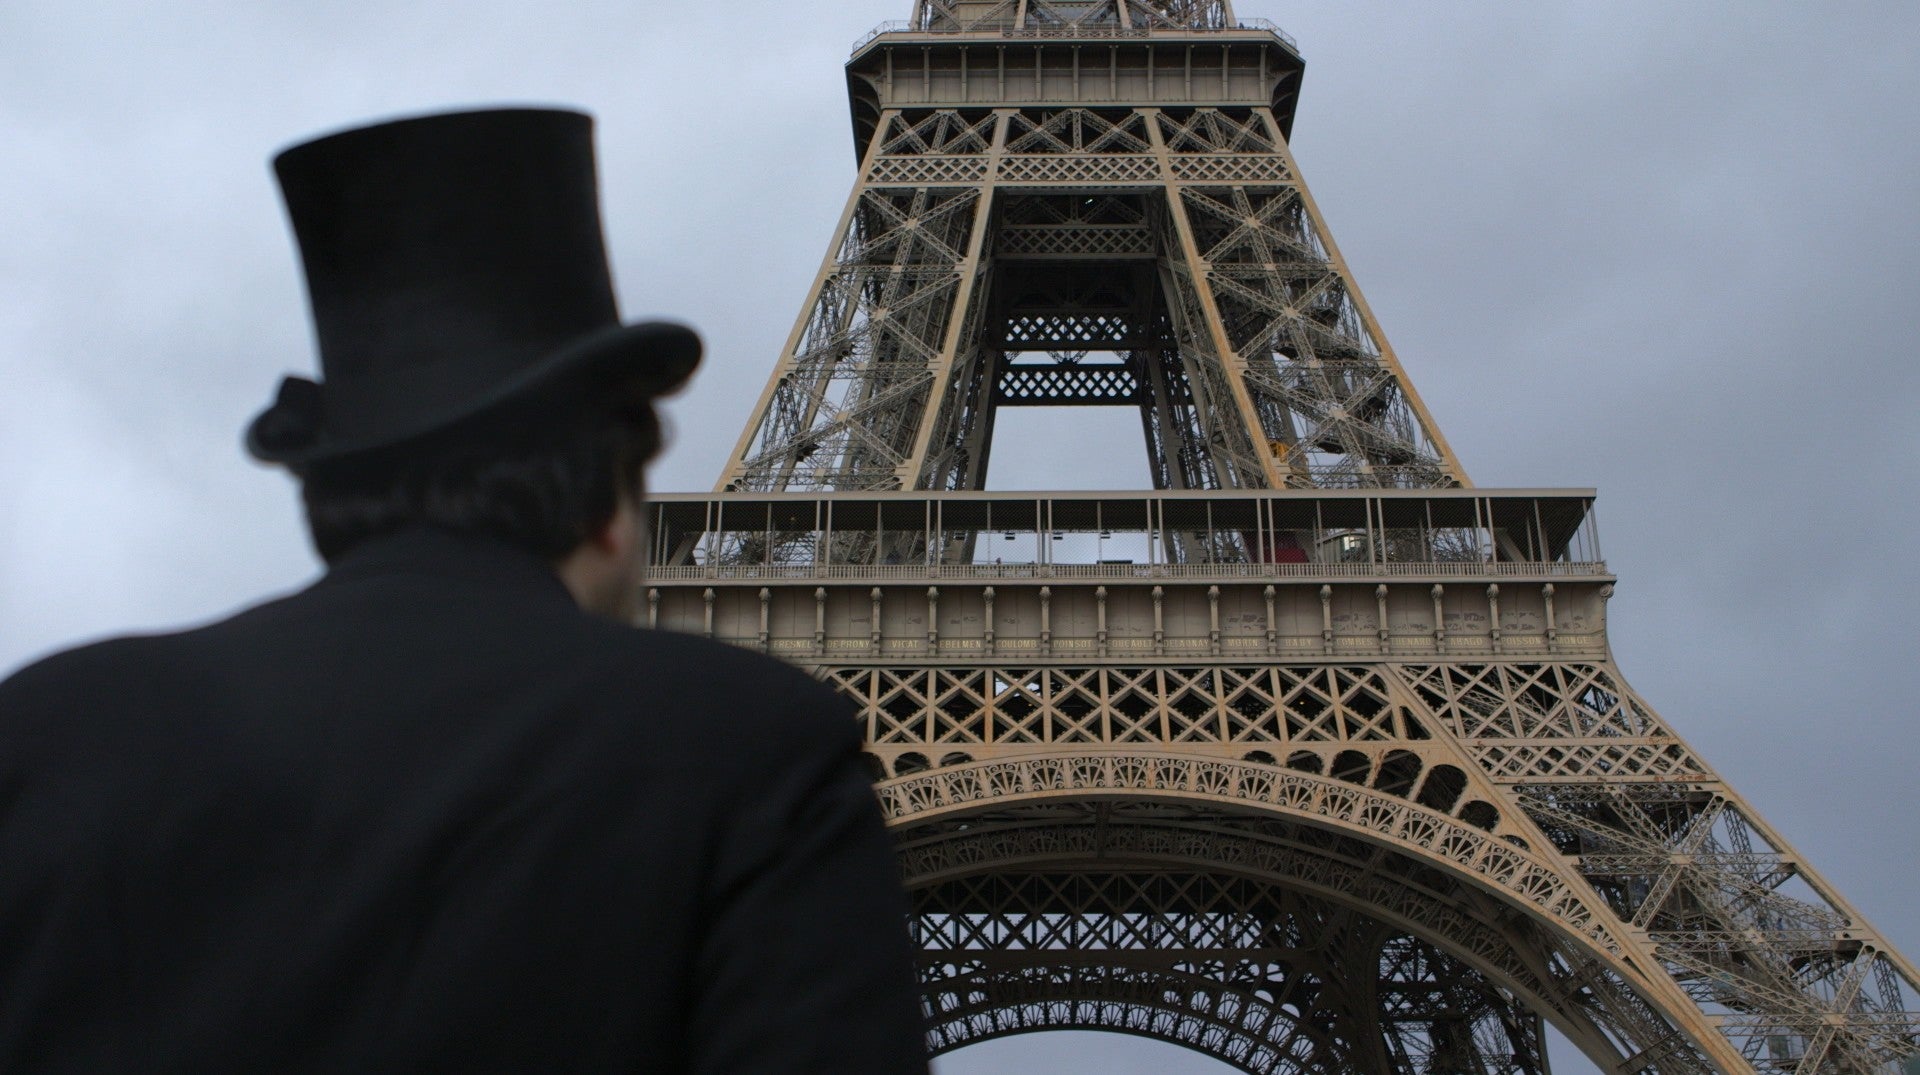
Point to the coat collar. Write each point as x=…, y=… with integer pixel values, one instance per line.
x=440, y=553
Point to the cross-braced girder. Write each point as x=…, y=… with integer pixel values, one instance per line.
x=1263, y=977
x=1179, y=242
x=1637, y=869
x=845, y=406
x=1255, y=905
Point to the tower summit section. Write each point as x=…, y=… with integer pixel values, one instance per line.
x=1084, y=204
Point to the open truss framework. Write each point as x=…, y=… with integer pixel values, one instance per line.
x=1391, y=713
x=986, y=252
x=1532, y=821
x=1335, y=774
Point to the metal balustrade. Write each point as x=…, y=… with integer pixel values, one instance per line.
x=1178, y=535
x=1586, y=569
x=1092, y=32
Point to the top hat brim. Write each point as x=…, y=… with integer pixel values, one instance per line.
x=619, y=363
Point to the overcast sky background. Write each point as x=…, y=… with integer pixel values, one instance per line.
x=1665, y=249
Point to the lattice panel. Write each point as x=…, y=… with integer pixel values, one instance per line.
x=1179, y=14
x=1232, y=458
x=1263, y=977
x=937, y=131
x=917, y=171
x=1278, y=705
x=957, y=442
x=1084, y=227
x=844, y=410
x=1083, y=210
x=1064, y=385
x=1725, y=910
x=1732, y=920
x=1215, y=130
x=1086, y=15
x=1086, y=241
x=1564, y=721
x=1216, y=168
x=1084, y=331
x=1322, y=386
x=1078, y=131
x=1550, y=972
x=1300, y=394
x=1059, y=168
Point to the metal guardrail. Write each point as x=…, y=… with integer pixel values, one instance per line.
x=1120, y=572
x=891, y=26
x=901, y=26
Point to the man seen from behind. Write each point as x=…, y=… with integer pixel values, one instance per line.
x=445, y=810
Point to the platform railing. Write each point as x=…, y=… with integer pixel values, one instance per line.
x=1121, y=572
x=901, y=26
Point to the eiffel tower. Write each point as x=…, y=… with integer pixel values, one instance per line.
x=1312, y=758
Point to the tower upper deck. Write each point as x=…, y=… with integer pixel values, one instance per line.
x=1103, y=53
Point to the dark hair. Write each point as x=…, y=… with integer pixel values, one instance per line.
x=538, y=487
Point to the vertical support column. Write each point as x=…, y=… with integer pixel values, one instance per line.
x=1162, y=428
x=1553, y=630
x=933, y=620
x=1046, y=619
x=1380, y=600
x=942, y=365
x=707, y=622
x=1387, y=356
x=1273, y=624
x=820, y=620
x=986, y=598
x=1100, y=619
x=1493, y=613
x=766, y=618
x=1606, y=599
x=1326, y=618
x=761, y=410
x=653, y=608
x=1213, y=620
x=1439, y=618
x=873, y=628
x=1215, y=329
x=984, y=373
x=1159, y=621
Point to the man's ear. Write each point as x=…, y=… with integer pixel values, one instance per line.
x=603, y=538
x=617, y=532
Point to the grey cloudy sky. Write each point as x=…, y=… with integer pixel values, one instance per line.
x=1666, y=249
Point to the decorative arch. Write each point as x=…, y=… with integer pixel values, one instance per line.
x=1208, y=1017
x=1494, y=855
x=1409, y=874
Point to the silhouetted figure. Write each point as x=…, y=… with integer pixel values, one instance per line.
x=444, y=810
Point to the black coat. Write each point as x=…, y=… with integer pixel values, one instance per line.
x=427, y=815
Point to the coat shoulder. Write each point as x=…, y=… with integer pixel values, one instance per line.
x=728, y=687
x=81, y=670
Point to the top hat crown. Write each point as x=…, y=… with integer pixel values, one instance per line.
x=454, y=266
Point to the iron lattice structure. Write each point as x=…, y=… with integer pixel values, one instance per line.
x=1041, y=181
x=1313, y=758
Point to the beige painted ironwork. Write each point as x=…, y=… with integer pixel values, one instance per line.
x=1312, y=759
x=1011, y=148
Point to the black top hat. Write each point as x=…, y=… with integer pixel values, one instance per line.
x=455, y=267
